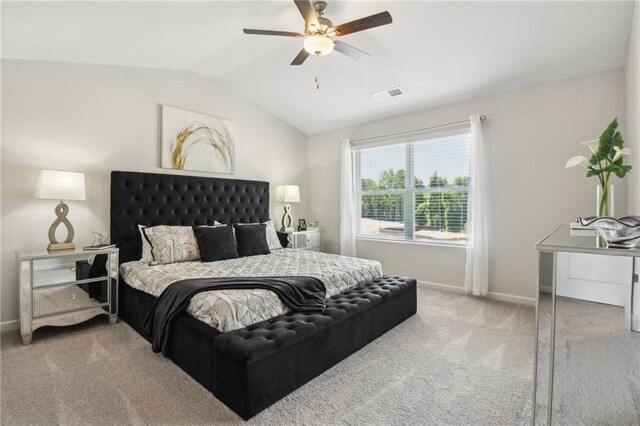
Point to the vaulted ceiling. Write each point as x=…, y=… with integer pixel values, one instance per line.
x=438, y=52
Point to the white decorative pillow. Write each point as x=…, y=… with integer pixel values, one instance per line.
x=171, y=244
x=146, y=247
x=272, y=237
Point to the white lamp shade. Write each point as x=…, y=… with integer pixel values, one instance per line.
x=318, y=45
x=288, y=194
x=58, y=185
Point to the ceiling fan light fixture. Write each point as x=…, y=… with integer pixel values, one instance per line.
x=318, y=45
x=320, y=33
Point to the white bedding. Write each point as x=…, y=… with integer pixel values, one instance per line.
x=229, y=310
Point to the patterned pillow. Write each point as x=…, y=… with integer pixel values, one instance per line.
x=146, y=247
x=171, y=244
x=272, y=236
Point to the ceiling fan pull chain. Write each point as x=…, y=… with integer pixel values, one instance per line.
x=317, y=72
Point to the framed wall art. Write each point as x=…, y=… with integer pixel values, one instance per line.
x=195, y=141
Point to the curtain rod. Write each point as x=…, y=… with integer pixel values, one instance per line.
x=442, y=126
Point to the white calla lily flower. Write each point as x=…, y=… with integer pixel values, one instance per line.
x=620, y=153
x=578, y=160
x=592, y=145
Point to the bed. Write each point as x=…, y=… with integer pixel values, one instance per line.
x=247, y=360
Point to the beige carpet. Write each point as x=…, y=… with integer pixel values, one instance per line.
x=459, y=361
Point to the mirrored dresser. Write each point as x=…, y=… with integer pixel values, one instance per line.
x=587, y=354
x=53, y=294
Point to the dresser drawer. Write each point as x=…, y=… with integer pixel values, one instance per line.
x=58, y=299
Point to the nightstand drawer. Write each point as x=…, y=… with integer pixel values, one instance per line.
x=314, y=239
x=58, y=299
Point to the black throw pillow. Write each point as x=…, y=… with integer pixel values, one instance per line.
x=252, y=239
x=215, y=243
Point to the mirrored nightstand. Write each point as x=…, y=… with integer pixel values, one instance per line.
x=51, y=294
x=304, y=240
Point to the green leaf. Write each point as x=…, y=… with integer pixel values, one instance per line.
x=621, y=171
x=618, y=140
x=592, y=172
x=606, y=144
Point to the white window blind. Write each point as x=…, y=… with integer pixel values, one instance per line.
x=415, y=191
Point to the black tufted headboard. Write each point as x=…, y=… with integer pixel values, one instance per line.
x=157, y=199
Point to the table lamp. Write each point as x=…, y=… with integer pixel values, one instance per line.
x=287, y=194
x=60, y=185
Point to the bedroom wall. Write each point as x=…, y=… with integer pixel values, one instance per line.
x=530, y=133
x=95, y=119
x=632, y=72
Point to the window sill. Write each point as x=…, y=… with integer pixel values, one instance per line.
x=450, y=244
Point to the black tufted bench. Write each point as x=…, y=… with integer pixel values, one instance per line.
x=264, y=362
x=251, y=368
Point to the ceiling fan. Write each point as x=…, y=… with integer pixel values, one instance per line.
x=320, y=35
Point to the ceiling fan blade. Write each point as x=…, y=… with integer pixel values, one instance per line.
x=308, y=12
x=272, y=33
x=350, y=51
x=377, y=20
x=302, y=56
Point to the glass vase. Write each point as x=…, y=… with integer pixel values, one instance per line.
x=605, y=201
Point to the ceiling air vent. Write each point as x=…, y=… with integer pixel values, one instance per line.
x=388, y=94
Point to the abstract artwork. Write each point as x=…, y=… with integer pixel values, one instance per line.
x=194, y=141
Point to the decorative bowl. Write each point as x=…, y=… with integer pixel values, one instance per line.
x=618, y=233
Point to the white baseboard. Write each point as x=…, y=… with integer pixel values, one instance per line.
x=502, y=297
x=9, y=325
x=444, y=287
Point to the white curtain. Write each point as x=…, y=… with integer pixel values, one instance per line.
x=477, y=269
x=347, y=215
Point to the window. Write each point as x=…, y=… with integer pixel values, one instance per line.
x=414, y=191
